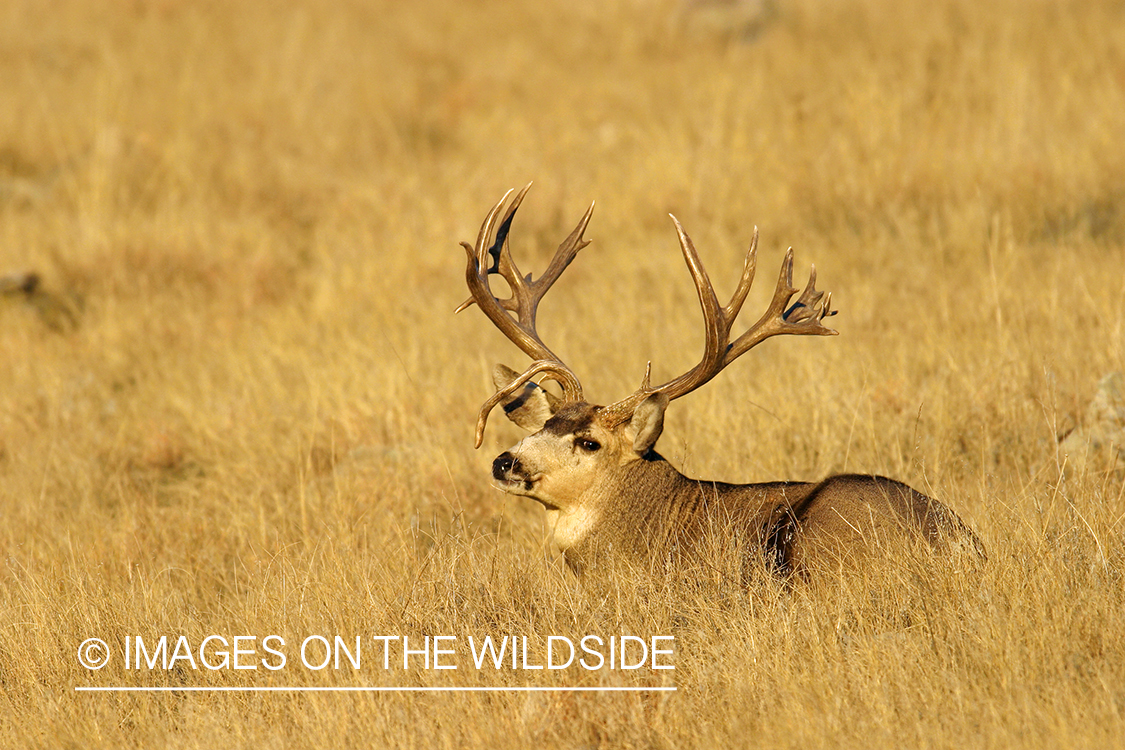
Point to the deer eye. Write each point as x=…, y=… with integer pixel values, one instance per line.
x=587, y=444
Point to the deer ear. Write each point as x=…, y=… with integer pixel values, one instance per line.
x=648, y=422
x=529, y=407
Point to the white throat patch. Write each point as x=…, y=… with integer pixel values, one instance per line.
x=570, y=527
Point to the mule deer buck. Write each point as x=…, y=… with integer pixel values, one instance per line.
x=594, y=468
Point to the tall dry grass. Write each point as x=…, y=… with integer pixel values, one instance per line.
x=239, y=403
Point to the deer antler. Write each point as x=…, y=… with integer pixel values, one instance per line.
x=803, y=317
x=524, y=302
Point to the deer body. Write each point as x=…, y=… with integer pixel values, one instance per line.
x=606, y=490
x=623, y=498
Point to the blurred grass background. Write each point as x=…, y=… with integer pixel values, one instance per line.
x=238, y=401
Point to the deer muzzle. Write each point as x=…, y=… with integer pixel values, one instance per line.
x=506, y=468
x=511, y=475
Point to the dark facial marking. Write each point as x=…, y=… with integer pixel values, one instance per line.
x=570, y=419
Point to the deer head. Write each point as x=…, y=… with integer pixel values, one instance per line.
x=576, y=447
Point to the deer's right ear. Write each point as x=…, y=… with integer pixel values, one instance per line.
x=648, y=422
x=531, y=406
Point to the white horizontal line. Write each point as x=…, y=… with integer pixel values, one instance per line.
x=297, y=689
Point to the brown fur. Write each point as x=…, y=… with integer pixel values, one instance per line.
x=624, y=499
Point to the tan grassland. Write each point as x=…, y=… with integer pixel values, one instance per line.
x=238, y=402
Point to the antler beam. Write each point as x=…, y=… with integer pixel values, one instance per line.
x=803, y=317
x=492, y=255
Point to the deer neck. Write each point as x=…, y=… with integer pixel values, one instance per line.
x=620, y=511
x=648, y=505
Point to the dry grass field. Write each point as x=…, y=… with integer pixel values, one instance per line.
x=238, y=402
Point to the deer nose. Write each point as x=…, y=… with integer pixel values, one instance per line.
x=504, y=465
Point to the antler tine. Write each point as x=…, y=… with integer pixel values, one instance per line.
x=715, y=326
x=556, y=371
x=475, y=251
x=501, y=253
x=807, y=307
x=801, y=318
x=781, y=296
x=748, y=270
x=488, y=226
x=567, y=251
x=716, y=333
x=498, y=248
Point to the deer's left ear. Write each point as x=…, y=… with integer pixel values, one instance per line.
x=529, y=407
x=648, y=422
